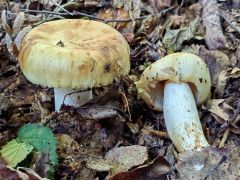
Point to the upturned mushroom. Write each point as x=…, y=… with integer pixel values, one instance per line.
x=73, y=55
x=175, y=84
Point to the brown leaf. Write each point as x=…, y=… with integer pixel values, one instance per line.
x=98, y=164
x=156, y=170
x=159, y=5
x=5, y=103
x=223, y=78
x=225, y=114
x=235, y=124
x=18, y=23
x=5, y=25
x=134, y=127
x=40, y=164
x=32, y=175
x=217, y=110
x=9, y=43
x=8, y=173
x=18, y=39
x=217, y=61
x=66, y=145
x=119, y=159
x=221, y=83
x=177, y=20
x=121, y=13
x=128, y=5
x=46, y=4
x=110, y=14
x=124, y=158
x=97, y=112
x=149, y=24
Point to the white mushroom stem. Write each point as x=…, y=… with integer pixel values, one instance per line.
x=181, y=117
x=72, y=97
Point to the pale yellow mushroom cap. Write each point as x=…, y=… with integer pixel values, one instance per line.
x=176, y=67
x=74, y=53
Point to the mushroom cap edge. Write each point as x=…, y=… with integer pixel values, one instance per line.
x=176, y=67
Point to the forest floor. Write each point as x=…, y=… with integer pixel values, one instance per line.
x=116, y=135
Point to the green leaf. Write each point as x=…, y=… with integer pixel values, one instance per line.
x=14, y=152
x=41, y=138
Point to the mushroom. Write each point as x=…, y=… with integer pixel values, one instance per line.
x=73, y=56
x=174, y=85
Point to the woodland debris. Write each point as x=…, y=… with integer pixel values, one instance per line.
x=214, y=37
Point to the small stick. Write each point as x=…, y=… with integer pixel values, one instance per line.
x=75, y=13
x=161, y=134
x=225, y=135
x=126, y=105
x=228, y=21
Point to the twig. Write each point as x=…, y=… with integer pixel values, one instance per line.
x=75, y=13
x=181, y=5
x=46, y=12
x=60, y=7
x=126, y=105
x=151, y=45
x=228, y=21
x=87, y=15
x=142, y=50
x=161, y=134
x=225, y=135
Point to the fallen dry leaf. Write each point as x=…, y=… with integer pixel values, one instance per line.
x=18, y=39
x=156, y=170
x=124, y=158
x=217, y=61
x=126, y=28
x=216, y=110
x=18, y=23
x=5, y=104
x=66, y=145
x=224, y=76
x=128, y=5
x=119, y=159
x=225, y=114
x=174, y=38
x=99, y=164
x=159, y=5
x=8, y=173
x=111, y=13
x=4, y=22
x=97, y=113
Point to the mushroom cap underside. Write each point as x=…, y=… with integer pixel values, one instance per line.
x=74, y=53
x=176, y=67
